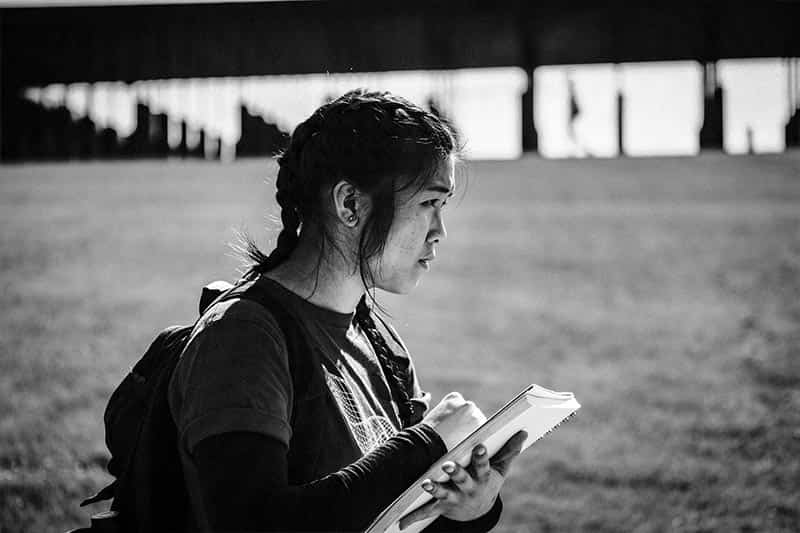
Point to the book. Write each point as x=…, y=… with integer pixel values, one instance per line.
x=535, y=409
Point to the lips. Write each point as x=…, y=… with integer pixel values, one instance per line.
x=425, y=261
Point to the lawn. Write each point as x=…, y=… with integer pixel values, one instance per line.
x=664, y=292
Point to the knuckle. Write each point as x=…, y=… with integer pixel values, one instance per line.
x=456, y=498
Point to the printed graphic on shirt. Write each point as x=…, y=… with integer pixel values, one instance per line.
x=368, y=428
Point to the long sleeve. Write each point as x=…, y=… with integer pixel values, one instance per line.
x=243, y=482
x=479, y=525
x=244, y=487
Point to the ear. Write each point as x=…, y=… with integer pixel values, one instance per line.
x=349, y=203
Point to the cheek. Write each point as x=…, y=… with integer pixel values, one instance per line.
x=409, y=236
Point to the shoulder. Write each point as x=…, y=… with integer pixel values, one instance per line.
x=238, y=315
x=235, y=346
x=233, y=375
x=231, y=336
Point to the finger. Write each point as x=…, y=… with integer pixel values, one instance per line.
x=510, y=450
x=454, y=396
x=429, y=510
x=437, y=490
x=480, y=465
x=459, y=476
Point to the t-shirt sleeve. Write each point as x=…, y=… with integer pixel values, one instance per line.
x=234, y=376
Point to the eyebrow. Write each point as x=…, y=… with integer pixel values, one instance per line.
x=440, y=188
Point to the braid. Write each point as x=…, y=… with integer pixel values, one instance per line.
x=396, y=369
x=288, y=236
x=290, y=195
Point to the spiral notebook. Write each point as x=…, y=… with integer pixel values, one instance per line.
x=536, y=410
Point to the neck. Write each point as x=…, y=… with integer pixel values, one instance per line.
x=334, y=287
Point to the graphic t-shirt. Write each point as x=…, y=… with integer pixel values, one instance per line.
x=235, y=375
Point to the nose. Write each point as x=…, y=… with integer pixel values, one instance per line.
x=437, y=231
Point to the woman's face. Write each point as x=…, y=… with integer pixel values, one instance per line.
x=416, y=229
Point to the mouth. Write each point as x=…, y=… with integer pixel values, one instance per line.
x=426, y=262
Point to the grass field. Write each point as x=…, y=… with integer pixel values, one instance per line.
x=664, y=292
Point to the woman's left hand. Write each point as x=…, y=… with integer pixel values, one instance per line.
x=468, y=493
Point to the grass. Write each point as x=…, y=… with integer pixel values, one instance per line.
x=664, y=292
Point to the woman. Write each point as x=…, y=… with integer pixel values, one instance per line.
x=361, y=190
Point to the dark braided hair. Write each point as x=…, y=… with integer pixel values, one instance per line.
x=382, y=144
x=395, y=368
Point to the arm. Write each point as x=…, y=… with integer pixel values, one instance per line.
x=244, y=484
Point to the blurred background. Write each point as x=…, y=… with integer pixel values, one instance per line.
x=628, y=229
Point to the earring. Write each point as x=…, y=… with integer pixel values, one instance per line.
x=352, y=218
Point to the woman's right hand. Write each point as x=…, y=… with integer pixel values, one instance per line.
x=454, y=418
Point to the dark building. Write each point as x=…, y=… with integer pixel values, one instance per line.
x=259, y=137
x=52, y=134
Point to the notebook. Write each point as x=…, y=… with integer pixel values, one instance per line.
x=535, y=409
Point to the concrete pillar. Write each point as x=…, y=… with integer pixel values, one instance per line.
x=530, y=139
x=183, y=146
x=711, y=133
x=792, y=127
x=620, y=123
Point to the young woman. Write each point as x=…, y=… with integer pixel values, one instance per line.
x=321, y=429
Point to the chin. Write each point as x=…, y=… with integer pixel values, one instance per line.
x=404, y=286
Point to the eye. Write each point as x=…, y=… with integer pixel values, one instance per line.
x=435, y=202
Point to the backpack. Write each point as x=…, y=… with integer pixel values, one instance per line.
x=148, y=490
